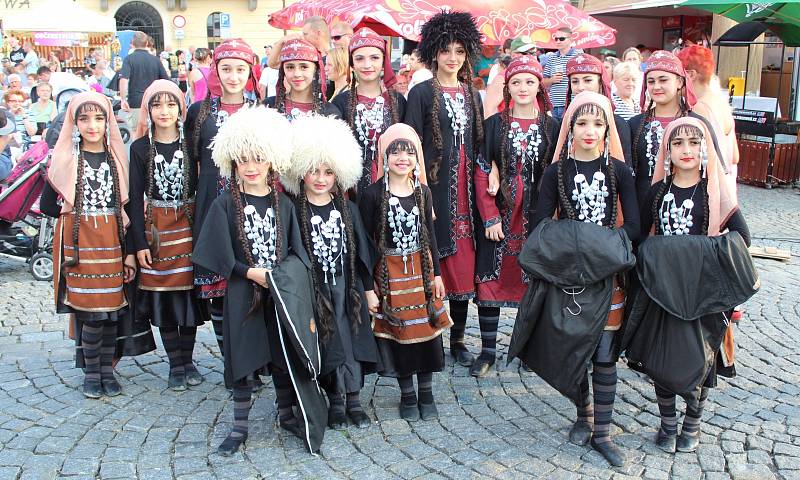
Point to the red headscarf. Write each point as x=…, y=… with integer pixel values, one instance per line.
x=583, y=64
x=233, y=48
x=366, y=37
x=301, y=50
x=664, y=61
x=529, y=64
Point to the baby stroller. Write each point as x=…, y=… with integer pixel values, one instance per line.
x=33, y=240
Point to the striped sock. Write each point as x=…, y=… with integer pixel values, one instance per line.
x=585, y=411
x=91, y=342
x=694, y=412
x=284, y=394
x=241, y=409
x=171, y=340
x=458, y=313
x=215, y=309
x=604, y=388
x=488, y=318
x=108, y=350
x=425, y=387
x=666, y=408
x=353, y=402
x=187, y=337
x=408, y=396
x=336, y=401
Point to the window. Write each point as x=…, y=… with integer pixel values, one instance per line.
x=213, y=31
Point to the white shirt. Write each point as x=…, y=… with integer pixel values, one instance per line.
x=269, y=79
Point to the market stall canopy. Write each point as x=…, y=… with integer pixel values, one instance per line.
x=744, y=33
x=782, y=18
x=497, y=20
x=595, y=7
x=59, y=16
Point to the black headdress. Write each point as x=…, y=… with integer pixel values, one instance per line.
x=445, y=28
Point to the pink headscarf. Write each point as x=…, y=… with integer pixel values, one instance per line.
x=721, y=204
x=405, y=132
x=581, y=99
x=63, y=171
x=159, y=86
x=664, y=61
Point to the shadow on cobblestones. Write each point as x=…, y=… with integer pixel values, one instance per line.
x=508, y=425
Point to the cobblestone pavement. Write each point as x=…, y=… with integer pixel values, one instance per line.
x=509, y=425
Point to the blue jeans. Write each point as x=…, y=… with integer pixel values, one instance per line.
x=558, y=113
x=5, y=166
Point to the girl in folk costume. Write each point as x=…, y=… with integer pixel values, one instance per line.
x=590, y=183
x=373, y=107
x=324, y=166
x=250, y=230
x=586, y=73
x=409, y=316
x=89, y=175
x=446, y=113
x=162, y=185
x=301, y=68
x=231, y=71
x=671, y=96
x=520, y=140
x=689, y=196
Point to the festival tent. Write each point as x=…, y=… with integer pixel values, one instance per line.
x=497, y=20
x=59, y=16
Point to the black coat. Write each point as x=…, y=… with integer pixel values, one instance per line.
x=676, y=318
x=560, y=320
x=488, y=252
x=418, y=116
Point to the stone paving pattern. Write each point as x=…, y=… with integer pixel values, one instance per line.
x=508, y=425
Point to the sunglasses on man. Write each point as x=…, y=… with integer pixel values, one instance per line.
x=560, y=39
x=336, y=38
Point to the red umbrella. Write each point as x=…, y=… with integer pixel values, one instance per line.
x=497, y=20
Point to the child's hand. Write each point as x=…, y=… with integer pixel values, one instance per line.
x=372, y=301
x=438, y=288
x=494, y=180
x=144, y=258
x=129, y=268
x=495, y=232
x=258, y=275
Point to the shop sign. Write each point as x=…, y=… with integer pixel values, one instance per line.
x=61, y=39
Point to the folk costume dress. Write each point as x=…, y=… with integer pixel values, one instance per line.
x=93, y=289
x=370, y=117
x=692, y=274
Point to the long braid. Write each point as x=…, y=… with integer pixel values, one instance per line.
x=425, y=255
x=316, y=92
x=155, y=240
x=76, y=213
x=477, y=132
x=436, y=163
x=383, y=275
x=655, y=208
x=394, y=112
x=505, y=126
x=706, y=206
x=612, y=192
x=322, y=304
x=186, y=194
x=564, y=199
x=272, y=178
x=352, y=103
x=202, y=115
x=280, y=92
x=352, y=254
x=238, y=209
x=545, y=123
x=648, y=117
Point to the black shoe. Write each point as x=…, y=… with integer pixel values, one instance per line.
x=666, y=441
x=294, y=428
x=409, y=412
x=193, y=377
x=428, y=411
x=92, y=389
x=337, y=420
x=481, y=366
x=580, y=433
x=231, y=445
x=111, y=386
x=359, y=418
x=610, y=452
x=687, y=443
x=177, y=381
x=462, y=356
x=258, y=384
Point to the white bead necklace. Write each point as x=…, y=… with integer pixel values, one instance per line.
x=525, y=143
x=405, y=229
x=369, y=125
x=261, y=233
x=329, y=242
x=655, y=132
x=96, y=199
x=169, y=175
x=456, y=110
x=676, y=220
x=590, y=198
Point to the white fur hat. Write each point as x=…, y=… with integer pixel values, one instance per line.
x=317, y=140
x=255, y=132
